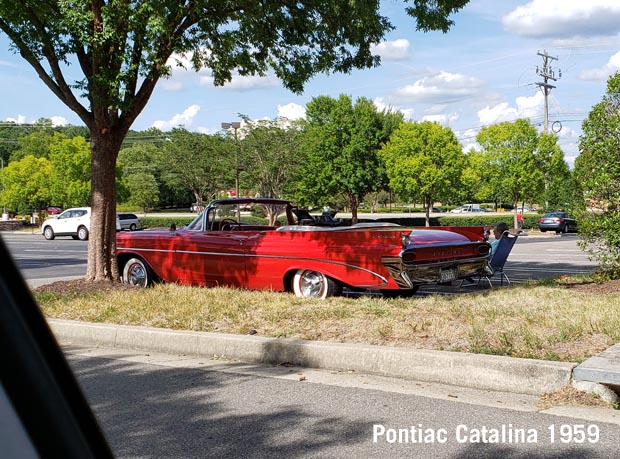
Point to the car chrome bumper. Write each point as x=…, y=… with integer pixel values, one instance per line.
x=408, y=276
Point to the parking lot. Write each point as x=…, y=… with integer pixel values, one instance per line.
x=533, y=257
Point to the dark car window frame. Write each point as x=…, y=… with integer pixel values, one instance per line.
x=37, y=379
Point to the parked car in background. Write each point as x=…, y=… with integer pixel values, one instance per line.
x=290, y=250
x=53, y=210
x=127, y=221
x=560, y=222
x=467, y=208
x=72, y=222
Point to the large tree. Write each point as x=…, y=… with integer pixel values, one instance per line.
x=271, y=155
x=424, y=161
x=123, y=48
x=26, y=184
x=509, y=150
x=558, y=190
x=197, y=162
x=598, y=170
x=341, y=141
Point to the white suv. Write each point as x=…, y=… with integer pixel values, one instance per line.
x=72, y=222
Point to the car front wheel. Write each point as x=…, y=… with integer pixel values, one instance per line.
x=82, y=233
x=137, y=272
x=313, y=284
x=133, y=227
x=48, y=232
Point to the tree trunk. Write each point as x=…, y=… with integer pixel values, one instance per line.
x=102, y=264
x=354, y=205
x=427, y=210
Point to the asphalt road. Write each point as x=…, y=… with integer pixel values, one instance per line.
x=533, y=257
x=159, y=406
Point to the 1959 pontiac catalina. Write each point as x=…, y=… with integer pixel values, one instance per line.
x=262, y=243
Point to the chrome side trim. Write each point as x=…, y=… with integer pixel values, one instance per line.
x=277, y=257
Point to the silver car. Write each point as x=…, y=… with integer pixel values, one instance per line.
x=127, y=221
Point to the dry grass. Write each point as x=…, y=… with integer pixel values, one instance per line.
x=570, y=396
x=543, y=322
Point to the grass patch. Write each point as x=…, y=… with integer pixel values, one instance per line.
x=547, y=321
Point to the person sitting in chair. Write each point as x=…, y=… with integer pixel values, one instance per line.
x=498, y=231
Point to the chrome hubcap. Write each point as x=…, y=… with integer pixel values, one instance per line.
x=137, y=275
x=311, y=284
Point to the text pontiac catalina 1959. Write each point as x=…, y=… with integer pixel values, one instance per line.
x=271, y=244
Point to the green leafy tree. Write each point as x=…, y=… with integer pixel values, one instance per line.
x=27, y=184
x=123, y=49
x=36, y=144
x=144, y=191
x=477, y=178
x=509, y=150
x=424, y=162
x=341, y=141
x=271, y=156
x=70, y=160
x=147, y=157
x=196, y=161
x=558, y=191
x=597, y=168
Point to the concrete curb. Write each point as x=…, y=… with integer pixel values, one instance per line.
x=524, y=376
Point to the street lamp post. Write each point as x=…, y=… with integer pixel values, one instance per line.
x=235, y=125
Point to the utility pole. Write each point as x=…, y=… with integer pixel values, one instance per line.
x=547, y=73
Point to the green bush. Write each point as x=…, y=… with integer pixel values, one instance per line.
x=164, y=222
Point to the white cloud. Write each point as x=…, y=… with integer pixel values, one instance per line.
x=244, y=83
x=382, y=104
x=395, y=50
x=497, y=113
x=445, y=119
x=564, y=18
x=183, y=119
x=442, y=87
x=604, y=72
x=292, y=111
x=21, y=119
x=55, y=120
x=467, y=138
x=527, y=107
x=59, y=121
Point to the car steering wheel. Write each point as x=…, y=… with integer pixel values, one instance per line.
x=228, y=224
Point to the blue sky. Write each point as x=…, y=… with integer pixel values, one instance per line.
x=481, y=72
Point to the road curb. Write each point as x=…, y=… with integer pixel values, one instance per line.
x=524, y=376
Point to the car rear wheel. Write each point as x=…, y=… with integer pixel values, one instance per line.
x=132, y=227
x=137, y=272
x=566, y=228
x=82, y=233
x=48, y=232
x=313, y=284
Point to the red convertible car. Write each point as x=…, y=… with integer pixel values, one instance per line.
x=263, y=243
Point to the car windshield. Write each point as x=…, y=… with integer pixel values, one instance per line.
x=214, y=217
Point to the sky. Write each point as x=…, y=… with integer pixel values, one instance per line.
x=483, y=71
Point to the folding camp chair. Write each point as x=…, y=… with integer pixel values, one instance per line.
x=498, y=259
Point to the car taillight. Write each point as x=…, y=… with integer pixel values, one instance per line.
x=541, y=220
x=483, y=249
